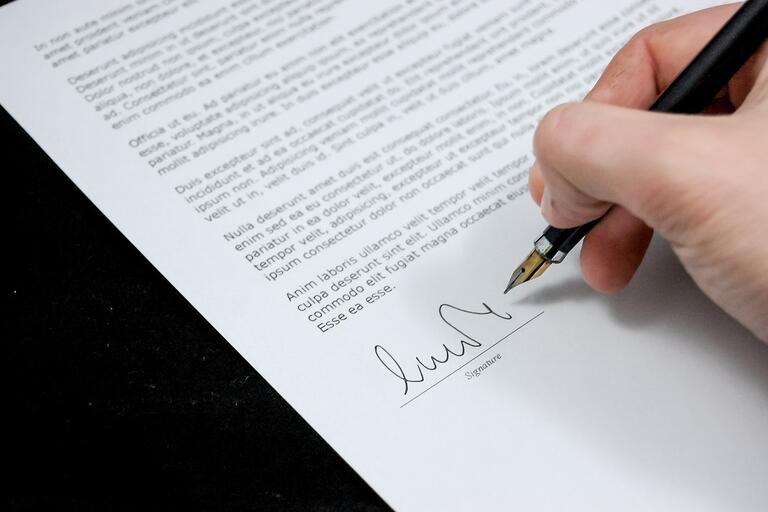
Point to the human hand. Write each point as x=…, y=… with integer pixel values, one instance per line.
x=700, y=181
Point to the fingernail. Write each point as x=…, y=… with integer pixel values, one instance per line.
x=546, y=204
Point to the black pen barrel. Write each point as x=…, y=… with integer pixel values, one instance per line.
x=715, y=65
x=561, y=241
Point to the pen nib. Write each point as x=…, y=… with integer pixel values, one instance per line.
x=533, y=266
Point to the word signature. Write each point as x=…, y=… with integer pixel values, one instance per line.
x=415, y=373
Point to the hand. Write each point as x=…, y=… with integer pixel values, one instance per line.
x=700, y=181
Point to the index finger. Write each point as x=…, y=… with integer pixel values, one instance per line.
x=654, y=57
x=650, y=61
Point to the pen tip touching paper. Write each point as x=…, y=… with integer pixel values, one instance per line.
x=513, y=281
x=533, y=266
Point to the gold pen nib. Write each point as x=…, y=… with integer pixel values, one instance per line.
x=533, y=266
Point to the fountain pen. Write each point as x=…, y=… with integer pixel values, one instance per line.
x=689, y=93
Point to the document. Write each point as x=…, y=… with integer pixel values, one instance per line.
x=340, y=188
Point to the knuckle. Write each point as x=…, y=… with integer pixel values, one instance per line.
x=647, y=34
x=643, y=35
x=638, y=44
x=637, y=41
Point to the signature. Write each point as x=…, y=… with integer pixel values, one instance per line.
x=416, y=370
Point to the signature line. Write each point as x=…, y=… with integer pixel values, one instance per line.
x=478, y=355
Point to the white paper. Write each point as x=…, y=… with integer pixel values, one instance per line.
x=198, y=127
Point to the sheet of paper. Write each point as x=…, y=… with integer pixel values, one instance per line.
x=339, y=187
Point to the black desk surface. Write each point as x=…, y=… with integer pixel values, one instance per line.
x=122, y=396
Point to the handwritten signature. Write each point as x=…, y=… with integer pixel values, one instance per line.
x=415, y=373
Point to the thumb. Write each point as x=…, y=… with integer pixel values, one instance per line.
x=592, y=155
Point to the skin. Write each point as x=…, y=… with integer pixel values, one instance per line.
x=701, y=182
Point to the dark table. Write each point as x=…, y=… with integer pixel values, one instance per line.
x=122, y=396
